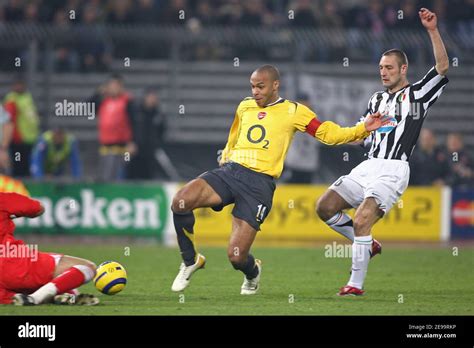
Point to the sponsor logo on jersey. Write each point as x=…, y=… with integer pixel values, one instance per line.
x=387, y=128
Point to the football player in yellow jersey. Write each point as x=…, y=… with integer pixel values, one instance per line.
x=259, y=138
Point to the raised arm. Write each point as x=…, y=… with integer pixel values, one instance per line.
x=19, y=205
x=430, y=22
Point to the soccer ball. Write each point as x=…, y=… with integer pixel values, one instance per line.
x=110, y=278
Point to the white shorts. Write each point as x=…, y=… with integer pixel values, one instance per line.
x=383, y=179
x=56, y=257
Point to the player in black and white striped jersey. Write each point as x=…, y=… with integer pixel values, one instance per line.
x=407, y=109
x=376, y=184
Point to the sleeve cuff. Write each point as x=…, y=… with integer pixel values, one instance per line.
x=360, y=130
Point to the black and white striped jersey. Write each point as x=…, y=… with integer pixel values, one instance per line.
x=407, y=109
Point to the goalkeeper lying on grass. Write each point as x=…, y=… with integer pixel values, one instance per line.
x=29, y=277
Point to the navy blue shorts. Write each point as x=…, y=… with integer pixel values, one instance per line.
x=252, y=192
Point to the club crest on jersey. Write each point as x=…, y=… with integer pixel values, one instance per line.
x=261, y=115
x=401, y=97
x=387, y=128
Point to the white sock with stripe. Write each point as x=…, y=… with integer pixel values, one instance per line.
x=342, y=223
x=360, y=260
x=44, y=293
x=87, y=272
x=49, y=290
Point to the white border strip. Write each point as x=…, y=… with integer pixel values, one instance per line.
x=445, y=213
x=169, y=234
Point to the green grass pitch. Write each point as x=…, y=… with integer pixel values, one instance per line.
x=401, y=281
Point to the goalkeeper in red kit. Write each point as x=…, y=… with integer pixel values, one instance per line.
x=29, y=277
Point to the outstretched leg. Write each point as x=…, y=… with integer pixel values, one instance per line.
x=330, y=209
x=366, y=216
x=238, y=252
x=69, y=274
x=196, y=194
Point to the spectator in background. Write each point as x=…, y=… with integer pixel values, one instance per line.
x=461, y=171
x=375, y=17
x=120, y=12
x=146, y=12
x=410, y=15
x=171, y=14
x=22, y=109
x=229, y=13
x=149, y=129
x=305, y=17
x=54, y=150
x=439, y=6
x=429, y=165
x=66, y=58
x=75, y=5
x=253, y=13
x=13, y=11
x=391, y=8
x=93, y=48
x=6, y=132
x=205, y=13
x=304, y=14
x=329, y=17
x=31, y=13
x=114, y=107
x=461, y=19
x=303, y=155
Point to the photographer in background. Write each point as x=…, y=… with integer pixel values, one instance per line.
x=461, y=165
x=149, y=129
x=52, y=154
x=22, y=109
x=114, y=107
x=430, y=164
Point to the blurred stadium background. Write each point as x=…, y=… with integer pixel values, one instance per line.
x=165, y=78
x=185, y=66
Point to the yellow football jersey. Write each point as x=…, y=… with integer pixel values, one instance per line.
x=260, y=137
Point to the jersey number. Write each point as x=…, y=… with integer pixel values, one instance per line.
x=255, y=140
x=261, y=212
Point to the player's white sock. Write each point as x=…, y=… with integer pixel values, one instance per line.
x=342, y=223
x=70, y=279
x=360, y=260
x=87, y=272
x=44, y=293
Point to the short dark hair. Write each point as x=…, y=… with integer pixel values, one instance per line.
x=19, y=78
x=151, y=89
x=116, y=77
x=271, y=70
x=401, y=56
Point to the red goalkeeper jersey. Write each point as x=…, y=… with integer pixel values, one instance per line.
x=14, y=204
x=21, y=272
